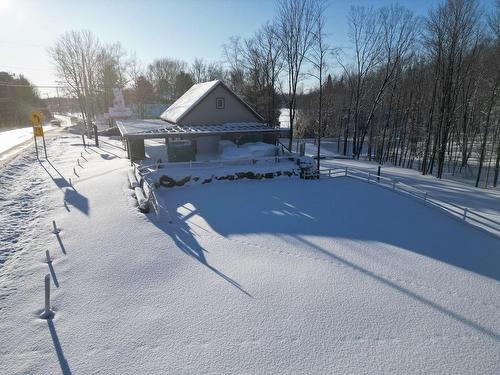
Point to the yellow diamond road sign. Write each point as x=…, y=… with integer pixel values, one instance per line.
x=36, y=118
x=37, y=130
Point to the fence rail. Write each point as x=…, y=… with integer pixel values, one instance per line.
x=216, y=163
x=464, y=214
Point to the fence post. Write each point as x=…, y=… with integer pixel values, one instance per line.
x=465, y=214
x=378, y=174
x=329, y=172
x=346, y=171
x=54, y=226
x=47, y=256
x=47, y=312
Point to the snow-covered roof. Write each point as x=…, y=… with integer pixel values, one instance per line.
x=159, y=129
x=188, y=101
x=193, y=97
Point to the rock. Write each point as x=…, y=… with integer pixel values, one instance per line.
x=207, y=180
x=183, y=181
x=167, y=181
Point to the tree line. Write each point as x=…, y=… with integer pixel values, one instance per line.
x=418, y=92
x=17, y=100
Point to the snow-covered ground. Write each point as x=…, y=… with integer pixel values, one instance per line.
x=271, y=276
x=456, y=191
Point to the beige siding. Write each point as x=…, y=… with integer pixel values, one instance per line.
x=206, y=112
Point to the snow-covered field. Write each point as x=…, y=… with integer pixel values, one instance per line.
x=272, y=276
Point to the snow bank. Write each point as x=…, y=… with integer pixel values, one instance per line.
x=251, y=150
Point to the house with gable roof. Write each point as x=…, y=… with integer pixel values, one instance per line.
x=207, y=116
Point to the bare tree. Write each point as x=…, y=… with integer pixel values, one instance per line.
x=453, y=30
x=198, y=70
x=296, y=21
x=398, y=35
x=162, y=73
x=75, y=56
x=365, y=32
x=232, y=52
x=318, y=61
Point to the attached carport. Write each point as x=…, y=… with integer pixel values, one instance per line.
x=134, y=132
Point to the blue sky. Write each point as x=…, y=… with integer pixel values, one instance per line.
x=179, y=29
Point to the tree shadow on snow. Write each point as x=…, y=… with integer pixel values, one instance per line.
x=77, y=200
x=60, y=181
x=183, y=237
x=342, y=209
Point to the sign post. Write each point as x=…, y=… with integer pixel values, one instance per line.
x=36, y=120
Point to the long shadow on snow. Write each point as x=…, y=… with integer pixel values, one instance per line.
x=183, y=237
x=60, y=181
x=71, y=196
x=344, y=209
x=341, y=209
x=63, y=363
x=77, y=200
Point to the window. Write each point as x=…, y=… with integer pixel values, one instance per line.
x=219, y=103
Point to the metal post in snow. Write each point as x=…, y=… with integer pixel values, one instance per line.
x=346, y=171
x=425, y=197
x=70, y=184
x=329, y=172
x=44, y=146
x=54, y=226
x=78, y=162
x=465, y=214
x=47, y=312
x=393, y=185
x=47, y=256
x=378, y=174
x=74, y=170
x=36, y=147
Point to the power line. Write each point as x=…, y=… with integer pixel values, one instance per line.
x=40, y=86
x=23, y=68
